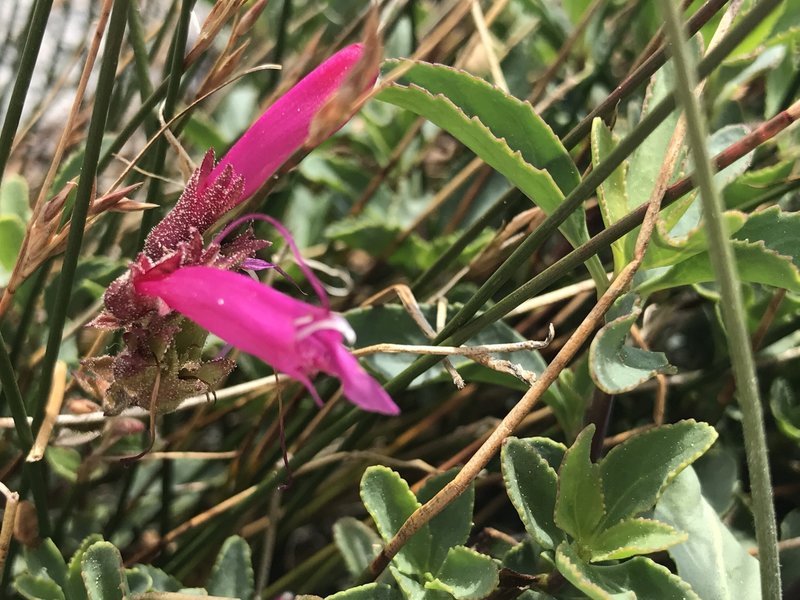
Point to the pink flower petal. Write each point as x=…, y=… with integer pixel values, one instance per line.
x=358, y=386
x=296, y=338
x=284, y=127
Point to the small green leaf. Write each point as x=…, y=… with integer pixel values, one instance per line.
x=139, y=581
x=785, y=409
x=12, y=232
x=504, y=131
x=532, y=485
x=64, y=461
x=162, y=582
x=371, y=591
x=39, y=587
x=389, y=501
x=712, y=560
x=75, y=588
x=615, y=366
x=636, y=579
x=46, y=560
x=579, y=503
x=358, y=544
x=414, y=590
x=450, y=527
x=14, y=197
x=232, y=574
x=612, y=195
x=756, y=182
x=466, y=574
x=103, y=573
x=634, y=536
x=635, y=472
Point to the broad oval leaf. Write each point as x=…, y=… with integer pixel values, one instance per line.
x=357, y=543
x=232, y=574
x=466, y=574
x=634, y=536
x=504, y=131
x=712, y=560
x=532, y=484
x=75, y=588
x=635, y=579
x=46, y=560
x=390, y=501
x=103, y=573
x=635, y=472
x=38, y=587
x=580, y=506
x=615, y=366
x=450, y=527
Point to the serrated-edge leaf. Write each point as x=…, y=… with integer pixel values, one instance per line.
x=482, y=574
x=35, y=587
x=526, y=472
x=413, y=589
x=232, y=573
x=623, y=492
x=634, y=536
x=616, y=367
x=75, y=588
x=103, y=573
x=580, y=506
x=535, y=183
x=357, y=543
x=390, y=501
x=614, y=582
x=370, y=591
x=612, y=194
x=778, y=271
x=451, y=527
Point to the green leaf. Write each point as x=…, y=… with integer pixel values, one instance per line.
x=162, y=582
x=634, y=536
x=414, y=590
x=579, y=503
x=12, y=232
x=358, y=544
x=64, y=461
x=785, y=409
x=14, y=197
x=371, y=591
x=103, y=573
x=778, y=229
x=504, y=131
x=232, y=574
x=615, y=366
x=46, y=560
x=756, y=182
x=389, y=501
x=139, y=580
x=612, y=195
x=635, y=472
x=74, y=588
x=450, y=527
x=569, y=398
x=40, y=587
x=636, y=579
x=755, y=262
x=790, y=557
x=712, y=560
x=531, y=484
x=466, y=574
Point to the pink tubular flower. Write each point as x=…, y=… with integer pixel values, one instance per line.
x=280, y=132
x=294, y=337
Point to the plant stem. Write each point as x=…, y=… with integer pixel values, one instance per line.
x=733, y=313
x=33, y=43
x=34, y=471
x=83, y=197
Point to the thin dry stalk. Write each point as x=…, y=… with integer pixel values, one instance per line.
x=7, y=528
x=51, y=411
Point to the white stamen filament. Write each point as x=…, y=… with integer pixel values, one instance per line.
x=308, y=325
